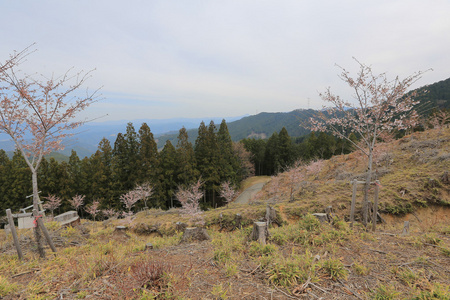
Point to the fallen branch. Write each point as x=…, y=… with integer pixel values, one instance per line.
x=27, y=272
x=319, y=288
x=297, y=291
x=286, y=294
x=379, y=251
x=350, y=290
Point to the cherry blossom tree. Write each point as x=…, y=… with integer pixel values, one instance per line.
x=53, y=202
x=77, y=201
x=93, y=209
x=109, y=213
x=315, y=167
x=227, y=191
x=379, y=105
x=274, y=187
x=144, y=191
x=295, y=175
x=129, y=200
x=190, y=201
x=38, y=113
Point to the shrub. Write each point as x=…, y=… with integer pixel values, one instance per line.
x=149, y=274
x=256, y=249
x=335, y=268
x=385, y=292
x=436, y=291
x=309, y=222
x=7, y=287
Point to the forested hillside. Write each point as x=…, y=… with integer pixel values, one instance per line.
x=133, y=159
x=263, y=125
x=113, y=170
x=436, y=95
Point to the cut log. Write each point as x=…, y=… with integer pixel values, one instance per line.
x=260, y=232
x=194, y=234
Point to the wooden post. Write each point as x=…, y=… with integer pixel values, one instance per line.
x=40, y=223
x=352, y=210
x=14, y=233
x=375, y=205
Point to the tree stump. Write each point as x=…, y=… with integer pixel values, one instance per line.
x=322, y=217
x=121, y=229
x=180, y=226
x=271, y=215
x=405, y=228
x=148, y=246
x=237, y=221
x=445, y=178
x=194, y=234
x=260, y=232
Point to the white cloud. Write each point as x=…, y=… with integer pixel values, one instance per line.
x=225, y=58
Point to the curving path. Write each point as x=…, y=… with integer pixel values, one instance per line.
x=247, y=194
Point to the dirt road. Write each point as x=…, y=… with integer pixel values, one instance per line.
x=248, y=193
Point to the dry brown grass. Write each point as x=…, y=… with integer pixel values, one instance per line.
x=341, y=263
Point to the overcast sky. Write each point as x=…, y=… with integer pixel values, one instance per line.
x=172, y=59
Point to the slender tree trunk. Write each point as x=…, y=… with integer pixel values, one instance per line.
x=35, y=190
x=37, y=232
x=366, y=190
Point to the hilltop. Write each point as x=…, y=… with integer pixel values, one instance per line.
x=304, y=259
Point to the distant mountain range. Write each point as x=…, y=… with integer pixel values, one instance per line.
x=262, y=125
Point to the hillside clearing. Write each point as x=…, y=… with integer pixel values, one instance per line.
x=304, y=259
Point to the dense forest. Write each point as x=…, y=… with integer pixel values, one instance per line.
x=134, y=159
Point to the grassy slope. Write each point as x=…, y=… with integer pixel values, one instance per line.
x=303, y=258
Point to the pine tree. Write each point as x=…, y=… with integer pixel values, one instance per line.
x=20, y=182
x=167, y=183
x=74, y=173
x=102, y=180
x=5, y=182
x=86, y=175
x=186, y=162
x=120, y=166
x=228, y=162
x=272, y=155
x=63, y=184
x=147, y=155
x=285, y=149
x=257, y=148
x=132, y=148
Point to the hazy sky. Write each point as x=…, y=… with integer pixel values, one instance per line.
x=171, y=59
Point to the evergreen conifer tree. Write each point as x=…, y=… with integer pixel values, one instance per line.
x=147, y=155
x=120, y=167
x=167, y=182
x=187, y=165
x=272, y=155
x=228, y=162
x=74, y=173
x=285, y=149
x=132, y=161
